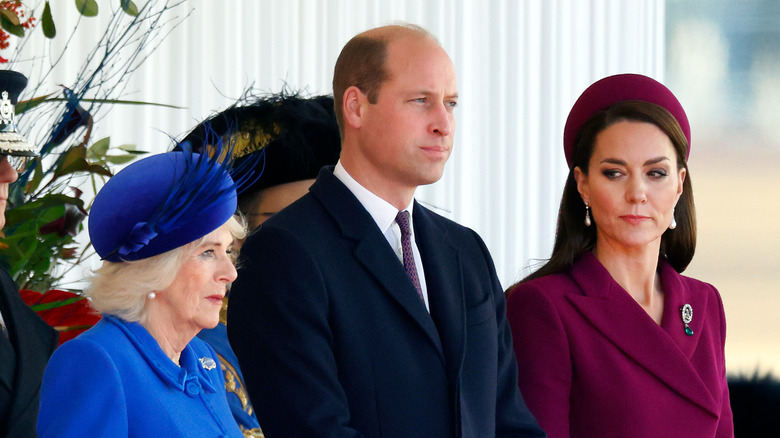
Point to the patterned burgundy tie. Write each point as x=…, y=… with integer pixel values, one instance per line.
x=406, y=246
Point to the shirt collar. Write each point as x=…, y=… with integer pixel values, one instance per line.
x=380, y=210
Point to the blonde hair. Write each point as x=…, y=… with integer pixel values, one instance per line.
x=121, y=288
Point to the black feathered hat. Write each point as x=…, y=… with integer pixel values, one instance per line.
x=296, y=135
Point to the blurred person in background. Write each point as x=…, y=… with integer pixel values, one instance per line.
x=26, y=341
x=296, y=137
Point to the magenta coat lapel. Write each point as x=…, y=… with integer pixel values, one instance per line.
x=666, y=352
x=592, y=363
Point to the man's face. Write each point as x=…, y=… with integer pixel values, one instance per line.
x=406, y=137
x=7, y=176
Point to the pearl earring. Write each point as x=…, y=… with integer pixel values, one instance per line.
x=587, y=215
x=673, y=225
x=151, y=295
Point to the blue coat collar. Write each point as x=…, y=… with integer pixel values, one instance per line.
x=195, y=372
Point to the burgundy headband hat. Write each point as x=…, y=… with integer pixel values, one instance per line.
x=618, y=88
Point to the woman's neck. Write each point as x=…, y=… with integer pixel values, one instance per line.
x=171, y=338
x=636, y=272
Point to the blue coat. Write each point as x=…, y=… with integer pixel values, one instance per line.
x=333, y=339
x=237, y=397
x=114, y=380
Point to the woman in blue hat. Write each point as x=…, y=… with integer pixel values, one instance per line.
x=611, y=341
x=164, y=227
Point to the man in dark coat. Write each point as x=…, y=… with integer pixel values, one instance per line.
x=358, y=312
x=26, y=341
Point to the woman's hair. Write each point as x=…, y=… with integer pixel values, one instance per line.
x=121, y=288
x=573, y=238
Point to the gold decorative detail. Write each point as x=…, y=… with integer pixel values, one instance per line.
x=252, y=433
x=223, y=310
x=234, y=384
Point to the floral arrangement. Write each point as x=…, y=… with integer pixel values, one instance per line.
x=68, y=312
x=39, y=244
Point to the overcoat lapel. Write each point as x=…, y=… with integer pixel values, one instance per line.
x=443, y=276
x=620, y=319
x=33, y=340
x=7, y=353
x=371, y=249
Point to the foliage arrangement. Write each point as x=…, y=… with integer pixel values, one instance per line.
x=69, y=313
x=47, y=204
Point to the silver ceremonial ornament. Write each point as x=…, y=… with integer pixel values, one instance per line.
x=11, y=141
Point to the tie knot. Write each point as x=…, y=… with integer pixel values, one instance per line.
x=402, y=218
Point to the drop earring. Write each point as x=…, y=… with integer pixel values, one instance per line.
x=673, y=225
x=151, y=295
x=587, y=215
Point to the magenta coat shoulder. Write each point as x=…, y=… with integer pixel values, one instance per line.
x=592, y=363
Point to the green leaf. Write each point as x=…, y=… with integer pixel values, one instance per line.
x=99, y=148
x=33, y=214
x=26, y=105
x=111, y=101
x=9, y=25
x=131, y=149
x=120, y=159
x=11, y=16
x=42, y=264
x=87, y=8
x=71, y=161
x=21, y=262
x=100, y=170
x=37, y=177
x=74, y=160
x=50, y=200
x=47, y=22
x=129, y=7
x=55, y=304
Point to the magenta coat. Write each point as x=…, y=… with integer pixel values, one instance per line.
x=592, y=363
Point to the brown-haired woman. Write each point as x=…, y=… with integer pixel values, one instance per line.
x=610, y=339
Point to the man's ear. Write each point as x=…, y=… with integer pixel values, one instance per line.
x=353, y=105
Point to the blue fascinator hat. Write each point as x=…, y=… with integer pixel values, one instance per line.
x=160, y=203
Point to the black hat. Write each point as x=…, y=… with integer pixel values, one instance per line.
x=298, y=136
x=11, y=142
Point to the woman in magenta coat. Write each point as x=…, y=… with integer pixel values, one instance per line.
x=611, y=340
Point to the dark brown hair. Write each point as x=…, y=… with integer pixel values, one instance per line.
x=573, y=238
x=362, y=64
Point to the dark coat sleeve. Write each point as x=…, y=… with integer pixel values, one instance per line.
x=513, y=418
x=33, y=341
